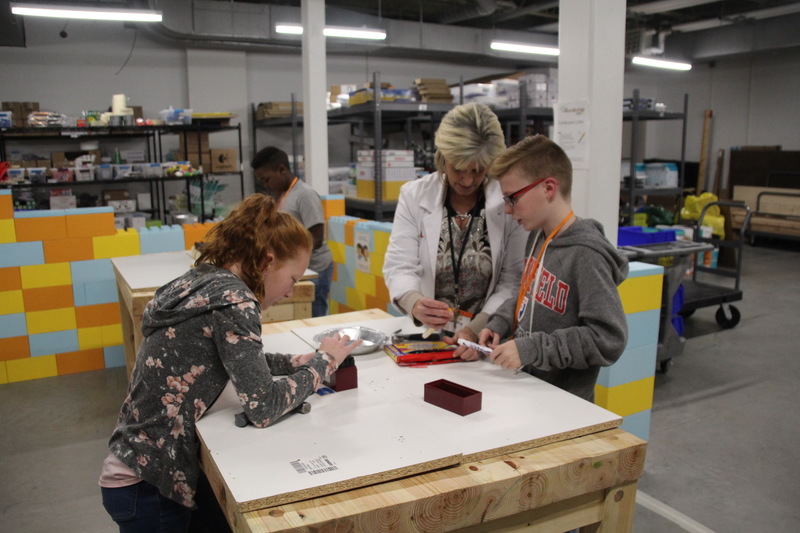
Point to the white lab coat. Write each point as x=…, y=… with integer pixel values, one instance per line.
x=410, y=261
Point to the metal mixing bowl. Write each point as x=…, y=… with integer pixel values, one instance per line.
x=373, y=339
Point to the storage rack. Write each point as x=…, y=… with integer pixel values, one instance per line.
x=152, y=135
x=635, y=116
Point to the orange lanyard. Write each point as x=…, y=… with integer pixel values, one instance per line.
x=283, y=198
x=531, y=267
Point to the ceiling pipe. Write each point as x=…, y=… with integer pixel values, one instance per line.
x=481, y=8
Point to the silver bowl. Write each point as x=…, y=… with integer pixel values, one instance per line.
x=372, y=339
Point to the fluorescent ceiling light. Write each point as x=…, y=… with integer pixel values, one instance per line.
x=334, y=31
x=660, y=63
x=85, y=13
x=524, y=48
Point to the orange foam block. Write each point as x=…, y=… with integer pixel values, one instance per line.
x=40, y=228
x=193, y=233
x=333, y=206
x=90, y=224
x=10, y=279
x=14, y=348
x=88, y=316
x=6, y=204
x=80, y=361
x=44, y=298
x=66, y=250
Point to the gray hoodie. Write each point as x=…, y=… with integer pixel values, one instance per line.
x=200, y=331
x=578, y=324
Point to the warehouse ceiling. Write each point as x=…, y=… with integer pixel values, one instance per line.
x=460, y=31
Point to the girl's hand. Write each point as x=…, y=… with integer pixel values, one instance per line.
x=338, y=346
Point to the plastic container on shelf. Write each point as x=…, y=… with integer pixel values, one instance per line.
x=37, y=174
x=633, y=235
x=16, y=175
x=105, y=171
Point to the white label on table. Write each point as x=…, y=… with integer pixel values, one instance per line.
x=312, y=467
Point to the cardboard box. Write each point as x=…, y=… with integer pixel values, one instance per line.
x=67, y=159
x=194, y=141
x=224, y=160
x=63, y=202
x=267, y=110
x=115, y=194
x=201, y=159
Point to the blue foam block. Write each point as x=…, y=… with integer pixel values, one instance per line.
x=161, y=239
x=100, y=292
x=643, y=327
x=53, y=342
x=43, y=213
x=14, y=254
x=335, y=232
x=5, y=192
x=338, y=292
x=638, y=424
x=638, y=269
x=332, y=196
x=13, y=325
x=346, y=274
x=88, y=210
x=92, y=270
x=634, y=364
x=114, y=356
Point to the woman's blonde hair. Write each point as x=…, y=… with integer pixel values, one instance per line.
x=468, y=133
x=251, y=231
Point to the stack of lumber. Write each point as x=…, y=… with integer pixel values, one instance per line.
x=434, y=90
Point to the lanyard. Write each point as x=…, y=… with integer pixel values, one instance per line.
x=532, y=267
x=283, y=197
x=457, y=264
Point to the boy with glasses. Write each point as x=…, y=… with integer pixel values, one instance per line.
x=566, y=321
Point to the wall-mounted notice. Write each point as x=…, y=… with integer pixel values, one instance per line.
x=572, y=128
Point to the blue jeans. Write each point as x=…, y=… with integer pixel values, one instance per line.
x=140, y=508
x=322, y=287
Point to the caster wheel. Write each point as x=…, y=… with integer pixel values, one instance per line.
x=664, y=365
x=728, y=318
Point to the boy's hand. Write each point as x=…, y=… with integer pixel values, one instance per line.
x=488, y=338
x=464, y=352
x=506, y=356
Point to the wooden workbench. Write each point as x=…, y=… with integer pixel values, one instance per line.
x=138, y=277
x=533, y=455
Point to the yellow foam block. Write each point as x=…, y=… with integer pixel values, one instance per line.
x=381, y=242
x=641, y=294
x=391, y=189
x=338, y=252
x=11, y=302
x=124, y=243
x=626, y=399
x=366, y=282
x=3, y=373
x=112, y=335
x=356, y=299
x=89, y=338
x=8, y=233
x=49, y=275
x=43, y=366
x=50, y=320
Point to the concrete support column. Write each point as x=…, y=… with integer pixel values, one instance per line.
x=591, y=40
x=315, y=114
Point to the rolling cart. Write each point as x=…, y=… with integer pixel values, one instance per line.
x=703, y=293
x=676, y=258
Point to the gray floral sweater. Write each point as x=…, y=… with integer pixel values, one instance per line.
x=201, y=330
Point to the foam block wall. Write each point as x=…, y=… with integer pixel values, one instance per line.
x=59, y=308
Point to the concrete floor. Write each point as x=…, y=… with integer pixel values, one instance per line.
x=722, y=454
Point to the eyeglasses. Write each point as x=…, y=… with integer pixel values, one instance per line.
x=511, y=199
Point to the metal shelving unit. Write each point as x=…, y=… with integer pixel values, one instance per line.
x=636, y=116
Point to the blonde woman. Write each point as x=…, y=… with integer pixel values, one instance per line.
x=454, y=255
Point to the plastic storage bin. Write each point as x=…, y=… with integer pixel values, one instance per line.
x=635, y=235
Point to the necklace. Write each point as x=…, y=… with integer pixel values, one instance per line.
x=463, y=216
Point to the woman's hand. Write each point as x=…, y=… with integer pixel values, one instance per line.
x=337, y=346
x=464, y=352
x=432, y=313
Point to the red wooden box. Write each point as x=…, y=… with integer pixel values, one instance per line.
x=453, y=397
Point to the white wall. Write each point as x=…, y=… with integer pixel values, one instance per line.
x=753, y=99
